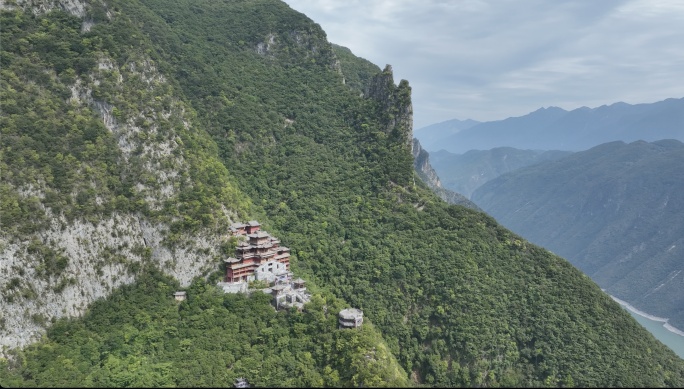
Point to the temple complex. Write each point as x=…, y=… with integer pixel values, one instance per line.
x=259, y=258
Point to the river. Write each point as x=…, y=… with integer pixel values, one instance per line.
x=668, y=335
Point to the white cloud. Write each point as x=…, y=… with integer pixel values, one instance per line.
x=487, y=60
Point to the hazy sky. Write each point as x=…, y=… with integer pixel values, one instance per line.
x=492, y=59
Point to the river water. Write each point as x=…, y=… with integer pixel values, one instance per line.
x=671, y=337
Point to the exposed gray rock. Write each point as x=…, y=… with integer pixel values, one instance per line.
x=101, y=254
x=421, y=164
x=395, y=104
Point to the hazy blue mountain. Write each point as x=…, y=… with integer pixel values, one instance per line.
x=463, y=173
x=554, y=128
x=431, y=136
x=615, y=211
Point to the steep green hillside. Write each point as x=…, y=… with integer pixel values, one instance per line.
x=102, y=142
x=103, y=168
x=335, y=181
x=457, y=299
x=141, y=337
x=357, y=71
x=614, y=211
x=464, y=173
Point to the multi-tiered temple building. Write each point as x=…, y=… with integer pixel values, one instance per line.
x=260, y=257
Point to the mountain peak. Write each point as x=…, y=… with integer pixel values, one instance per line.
x=395, y=102
x=550, y=108
x=553, y=128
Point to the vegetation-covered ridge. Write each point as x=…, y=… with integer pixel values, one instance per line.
x=141, y=337
x=457, y=299
x=357, y=71
x=103, y=168
x=614, y=211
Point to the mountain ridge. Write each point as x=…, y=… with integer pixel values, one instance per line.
x=464, y=173
x=554, y=128
x=611, y=210
x=273, y=134
x=431, y=135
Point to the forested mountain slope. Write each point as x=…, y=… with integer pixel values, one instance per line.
x=357, y=71
x=615, y=211
x=264, y=127
x=104, y=168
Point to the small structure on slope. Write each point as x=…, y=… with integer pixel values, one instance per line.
x=241, y=383
x=288, y=295
x=180, y=295
x=350, y=318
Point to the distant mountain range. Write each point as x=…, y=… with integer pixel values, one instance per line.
x=615, y=211
x=431, y=136
x=463, y=173
x=554, y=128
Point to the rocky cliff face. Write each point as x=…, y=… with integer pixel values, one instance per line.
x=421, y=164
x=100, y=257
x=58, y=267
x=74, y=7
x=396, y=109
x=395, y=104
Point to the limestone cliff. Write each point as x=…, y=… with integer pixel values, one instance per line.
x=395, y=104
x=396, y=109
x=58, y=256
x=421, y=164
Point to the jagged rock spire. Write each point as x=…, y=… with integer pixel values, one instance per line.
x=396, y=103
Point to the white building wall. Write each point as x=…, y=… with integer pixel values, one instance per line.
x=268, y=271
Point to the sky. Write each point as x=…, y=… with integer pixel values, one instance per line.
x=492, y=59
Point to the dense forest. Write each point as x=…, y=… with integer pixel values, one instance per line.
x=451, y=297
x=140, y=337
